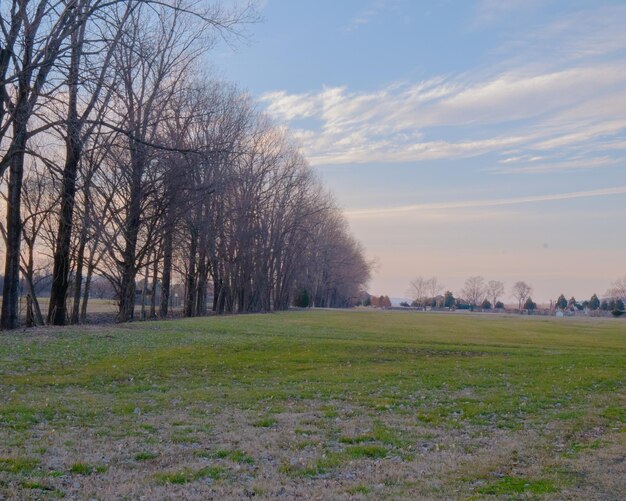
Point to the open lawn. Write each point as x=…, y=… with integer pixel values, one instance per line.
x=316, y=405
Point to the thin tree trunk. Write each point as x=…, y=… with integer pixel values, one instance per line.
x=190, y=292
x=78, y=281
x=144, y=292
x=155, y=277
x=166, y=275
x=36, y=310
x=203, y=277
x=84, y=305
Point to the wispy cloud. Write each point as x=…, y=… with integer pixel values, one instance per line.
x=473, y=204
x=364, y=16
x=556, y=166
x=585, y=34
x=559, y=92
x=491, y=11
x=410, y=122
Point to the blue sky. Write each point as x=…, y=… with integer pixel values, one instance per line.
x=461, y=138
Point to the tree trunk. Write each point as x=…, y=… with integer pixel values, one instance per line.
x=10, y=290
x=144, y=292
x=203, y=277
x=190, y=293
x=35, y=312
x=166, y=275
x=57, y=311
x=83, y=306
x=155, y=278
x=78, y=279
x=131, y=230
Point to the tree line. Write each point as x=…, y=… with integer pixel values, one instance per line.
x=122, y=160
x=479, y=293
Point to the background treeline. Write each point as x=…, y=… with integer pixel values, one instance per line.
x=121, y=161
x=477, y=293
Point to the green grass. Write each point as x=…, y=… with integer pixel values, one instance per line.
x=235, y=456
x=359, y=489
x=18, y=465
x=187, y=475
x=366, y=451
x=267, y=422
x=145, y=456
x=399, y=376
x=87, y=469
x=515, y=485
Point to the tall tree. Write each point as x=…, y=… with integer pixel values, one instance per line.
x=494, y=291
x=474, y=290
x=521, y=291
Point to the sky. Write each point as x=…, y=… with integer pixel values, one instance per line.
x=461, y=138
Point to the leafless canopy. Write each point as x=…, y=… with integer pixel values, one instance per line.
x=123, y=161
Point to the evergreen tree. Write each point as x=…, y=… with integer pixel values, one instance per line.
x=448, y=299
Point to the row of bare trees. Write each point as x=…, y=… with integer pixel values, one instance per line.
x=121, y=159
x=475, y=292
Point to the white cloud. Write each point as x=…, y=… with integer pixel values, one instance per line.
x=491, y=11
x=395, y=123
x=557, y=166
x=468, y=204
x=585, y=34
x=556, y=101
x=364, y=16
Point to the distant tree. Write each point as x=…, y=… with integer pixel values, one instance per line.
x=611, y=304
x=448, y=299
x=499, y=305
x=594, y=302
x=486, y=305
x=433, y=287
x=572, y=302
x=368, y=300
x=561, y=302
x=618, y=289
x=521, y=291
x=302, y=300
x=474, y=290
x=495, y=290
x=530, y=305
x=404, y=304
x=419, y=289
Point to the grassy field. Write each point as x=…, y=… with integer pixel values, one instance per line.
x=317, y=405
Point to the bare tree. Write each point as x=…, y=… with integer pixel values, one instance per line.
x=163, y=176
x=521, y=291
x=474, y=290
x=434, y=287
x=494, y=291
x=419, y=288
x=34, y=38
x=618, y=289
